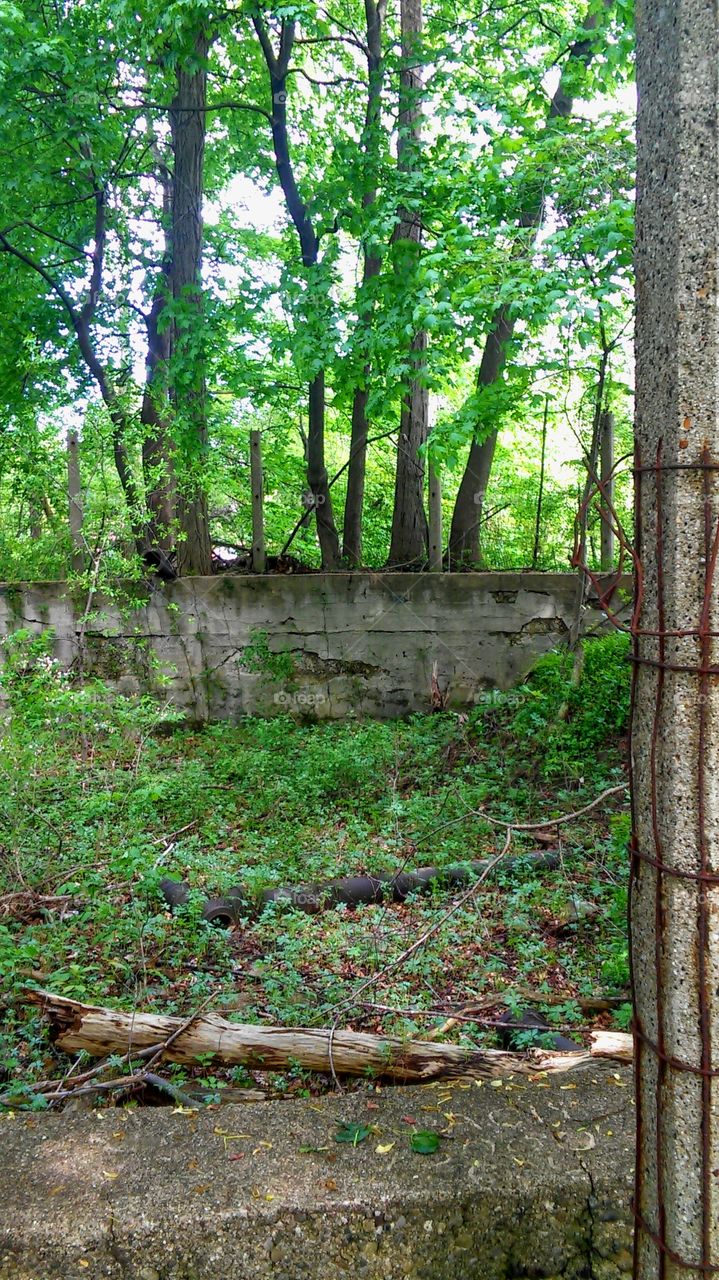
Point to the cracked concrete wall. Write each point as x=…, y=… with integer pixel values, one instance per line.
x=317, y=645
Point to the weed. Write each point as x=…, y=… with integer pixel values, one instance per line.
x=98, y=805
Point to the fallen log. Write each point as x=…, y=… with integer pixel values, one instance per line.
x=238, y=904
x=77, y=1027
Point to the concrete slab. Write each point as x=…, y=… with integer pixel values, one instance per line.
x=532, y=1178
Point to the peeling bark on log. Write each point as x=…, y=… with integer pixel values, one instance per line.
x=100, y=1032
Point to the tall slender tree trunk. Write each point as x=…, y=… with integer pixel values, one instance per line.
x=317, y=479
x=188, y=126
x=157, y=451
x=74, y=501
x=354, y=503
x=464, y=538
x=356, y=473
x=467, y=514
x=158, y=461
x=409, y=538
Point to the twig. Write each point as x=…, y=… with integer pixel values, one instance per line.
x=423, y=938
x=519, y=826
x=180, y=1031
x=551, y=822
x=27, y=902
x=55, y=1091
x=510, y=829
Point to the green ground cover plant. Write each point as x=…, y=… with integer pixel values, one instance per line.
x=101, y=796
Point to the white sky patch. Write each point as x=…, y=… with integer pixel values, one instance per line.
x=252, y=208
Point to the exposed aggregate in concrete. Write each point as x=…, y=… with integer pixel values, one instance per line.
x=532, y=1178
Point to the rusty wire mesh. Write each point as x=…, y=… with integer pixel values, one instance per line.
x=605, y=586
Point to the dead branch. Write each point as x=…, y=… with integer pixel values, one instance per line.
x=77, y=1027
x=26, y=904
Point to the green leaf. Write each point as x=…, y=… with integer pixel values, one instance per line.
x=425, y=1142
x=352, y=1133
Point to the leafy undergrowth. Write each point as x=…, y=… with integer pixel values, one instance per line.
x=99, y=800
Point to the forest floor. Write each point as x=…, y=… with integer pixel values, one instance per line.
x=98, y=802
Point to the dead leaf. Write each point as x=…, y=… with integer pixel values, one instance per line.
x=584, y=1141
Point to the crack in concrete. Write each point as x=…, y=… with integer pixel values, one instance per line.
x=591, y=1204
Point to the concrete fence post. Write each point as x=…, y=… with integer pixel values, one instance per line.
x=674, y=900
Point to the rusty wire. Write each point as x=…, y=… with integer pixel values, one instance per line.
x=605, y=587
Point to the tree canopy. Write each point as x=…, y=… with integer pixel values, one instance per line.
x=382, y=235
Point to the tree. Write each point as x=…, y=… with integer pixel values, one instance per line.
x=111, y=150
x=31, y=246
x=408, y=545
x=376, y=292
x=158, y=458
x=188, y=124
x=375, y=11
x=467, y=514
x=278, y=66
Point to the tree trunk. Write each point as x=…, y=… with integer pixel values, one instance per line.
x=607, y=495
x=469, y=503
x=74, y=501
x=317, y=480
x=675, y=725
x=158, y=461
x=157, y=451
x=435, y=520
x=354, y=503
x=540, y=494
x=464, y=537
x=101, y=1032
x=188, y=126
x=409, y=537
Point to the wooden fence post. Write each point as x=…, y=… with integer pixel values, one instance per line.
x=259, y=557
x=607, y=479
x=435, y=520
x=74, y=498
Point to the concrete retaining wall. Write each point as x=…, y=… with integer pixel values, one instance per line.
x=531, y=1179
x=318, y=645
